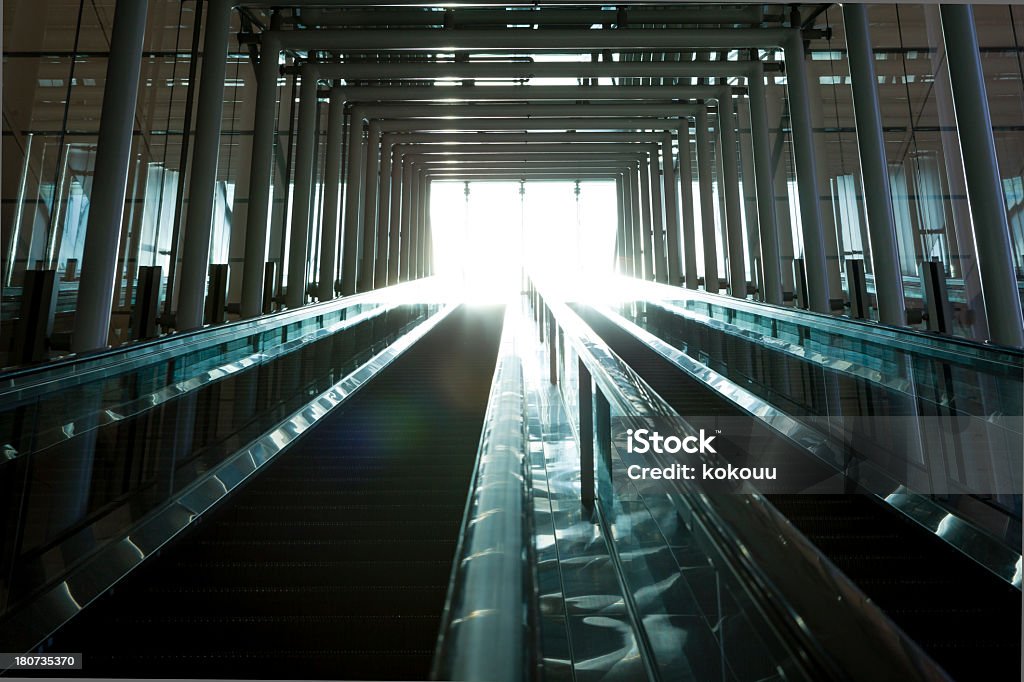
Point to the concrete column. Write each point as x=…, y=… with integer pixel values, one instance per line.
x=350, y=254
x=260, y=174
x=302, y=196
x=981, y=168
x=673, y=254
x=686, y=206
x=707, y=203
x=384, y=250
x=371, y=245
x=332, y=197
x=771, y=260
x=807, y=175
x=110, y=178
x=394, y=222
x=730, y=186
x=195, y=256
x=885, y=261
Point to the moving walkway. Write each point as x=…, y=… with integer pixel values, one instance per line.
x=332, y=559
x=357, y=489
x=950, y=605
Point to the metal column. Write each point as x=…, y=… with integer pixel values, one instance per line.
x=621, y=237
x=202, y=185
x=394, y=215
x=686, y=206
x=640, y=227
x=647, y=233
x=371, y=245
x=384, y=249
x=730, y=185
x=771, y=260
x=302, y=197
x=260, y=173
x=673, y=254
x=707, y=204
x=404, y=224
x=885, y=263
x=984, y=185
x=332, y=197
x=110, y=178
x=659, y=256
x=807, y=175
x=350, y=255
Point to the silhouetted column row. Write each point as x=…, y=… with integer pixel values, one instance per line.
x=380, y=216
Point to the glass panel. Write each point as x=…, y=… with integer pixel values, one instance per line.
x=83, y=465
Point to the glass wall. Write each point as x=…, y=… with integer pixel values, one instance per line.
x=54, y=68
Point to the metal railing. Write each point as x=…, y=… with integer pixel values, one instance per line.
x=69, y=370
x=814, y=623
x=488, y=628
x=40, y=609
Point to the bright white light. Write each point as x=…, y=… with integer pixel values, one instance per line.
x=481, y=245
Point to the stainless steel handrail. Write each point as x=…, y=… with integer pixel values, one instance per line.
x=831, y=628
x=908, y=340
x=25, y=624
x=486, y=628
x=983, y=548
x=85, y=367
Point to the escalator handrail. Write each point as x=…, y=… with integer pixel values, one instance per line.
x=980, y=546
x=26, y=623
x=486, y=628
x=800, y=596
x=80, y=367
x=944, y=347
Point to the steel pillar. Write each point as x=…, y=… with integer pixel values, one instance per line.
x=646, y=204
x=371, y=245
x=384, y=239
x=405, y=224
x=707, y=204
x=640, y=226
x=731, y=185
x=302, y=197
x=984, y=184
x=332, y=198
x=350, y=252
x=110, y=178
x=195, y=257
x=798, y=86
x=771, y=260
x=686, y=206
x=673, y=255
x=885, y=262
x=659, y=256
x=260, y=172
x=394, y=220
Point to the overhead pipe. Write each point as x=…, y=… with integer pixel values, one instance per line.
x=333, y=17
x=554, y=40
x=391, y=71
